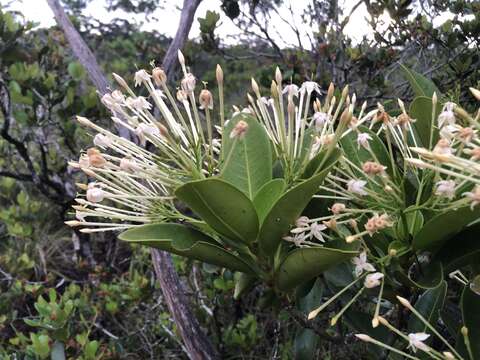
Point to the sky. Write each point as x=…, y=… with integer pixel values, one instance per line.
x=166, y=20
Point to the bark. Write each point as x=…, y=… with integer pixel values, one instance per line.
x=196, y=342
x=186, y=19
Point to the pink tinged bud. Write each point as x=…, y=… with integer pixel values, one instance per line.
x=159, y=76
x=182, y=96
x=239, y=130
x=95, y=195
x=205, y=99
x=338, y=208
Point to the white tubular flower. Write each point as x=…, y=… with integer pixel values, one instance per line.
x=361, y=264
x=363, y=140
x=447, y=117
x=320, y=119
x=141, y=76
x=473, y=196
x=95, y=194
x=448, y=132
x=188, y=83
x=102, y=141
x=309, y=87
x=415, y=341
x=118, y=96
x=143, y=130
x=357, y=187
x=445, y=188
x=373, y=280
x=291, y=90
x=139, y=103
x=316, y=231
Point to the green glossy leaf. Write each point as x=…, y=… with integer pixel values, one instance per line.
x=421, y=111
x=248, y=160
x=303, y=264
x=430, y=277
x=243, y=283
x=185, y=241
x=429, y=305
x=359, y=155
x=267, y=196
x=463, y=249
x=322, y=160
x=226, y=209
x=421, y=86
x=442, y=227
x=470, y=306
x=288, y=208
x=305, y=344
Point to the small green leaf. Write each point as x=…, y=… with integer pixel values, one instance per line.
x=182, y=240
x=248, y=160
x=470, y=305
x=288, y=208
x=304, y=264
x=421, y=86
x=222, y=206
x=76, y=70
x=442, y=227
x=421, y=111
x=429, y=304
x=267, y=196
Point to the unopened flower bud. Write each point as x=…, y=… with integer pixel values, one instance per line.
x=255, y=88
x=475, y=93
x=278, y=76
x=128, y=165
x=120, y=81
x=392, y=252
x=338, y=208
x=95, y=195
x=95, y=157
x=219, y=74
x=159, y=76
x=363, y=337
x=181, y=58
x=273, y=89
x=464, y=331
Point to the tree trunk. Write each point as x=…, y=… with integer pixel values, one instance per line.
x=196, y=343
x=186, y=20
